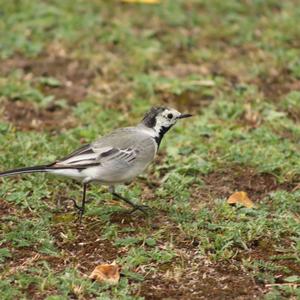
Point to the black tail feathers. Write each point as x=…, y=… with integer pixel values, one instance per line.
x=35, y=169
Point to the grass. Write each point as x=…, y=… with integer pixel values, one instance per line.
x=71, y=71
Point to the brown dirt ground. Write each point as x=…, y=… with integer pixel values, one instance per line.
x=200, y=281
x=278, y=84
x=224, y=182
x=75, y=79
x=188, y=277
x=27, y=116
x=75, y=76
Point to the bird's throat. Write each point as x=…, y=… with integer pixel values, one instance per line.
x=160, y=134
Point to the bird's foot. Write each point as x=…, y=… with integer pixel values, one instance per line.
x=76, y=206
x=142, y=208
x=80, y=211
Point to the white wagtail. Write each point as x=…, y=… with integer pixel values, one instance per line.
x=115, y=158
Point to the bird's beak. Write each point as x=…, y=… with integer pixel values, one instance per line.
x=182, y=116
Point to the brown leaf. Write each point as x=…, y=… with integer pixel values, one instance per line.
x=241, y=198
x=106, y=273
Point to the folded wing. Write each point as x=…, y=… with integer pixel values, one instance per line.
x=121, y=148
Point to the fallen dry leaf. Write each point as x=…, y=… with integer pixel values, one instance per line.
x=241, y=198
x=142, y=1
x=106, y=273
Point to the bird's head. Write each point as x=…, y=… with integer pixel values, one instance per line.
x=161, y=119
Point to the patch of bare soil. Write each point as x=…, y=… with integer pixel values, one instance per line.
x=6, y=208
x=188, y=276
x=198, y=279
x=264, y=250
x=294, y=114
x=224, y=182
x=277, y=84
x=195, y=100
x=26, y=116
x=85, y=250
x=75, y=76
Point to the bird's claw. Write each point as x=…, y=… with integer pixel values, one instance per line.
x=141, y=208
x=76, y=206
x=80, y=210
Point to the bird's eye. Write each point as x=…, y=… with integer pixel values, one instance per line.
x=170, y=116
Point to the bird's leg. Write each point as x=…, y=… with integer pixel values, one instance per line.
x=141, y=208
x=75, y=204
x=81, y=208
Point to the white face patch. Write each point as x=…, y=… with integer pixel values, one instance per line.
x=166, y=119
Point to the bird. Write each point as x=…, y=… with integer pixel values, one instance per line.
x=115, y=158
